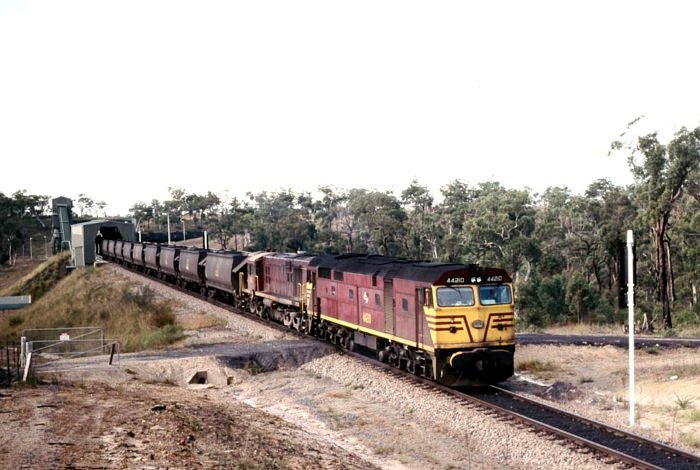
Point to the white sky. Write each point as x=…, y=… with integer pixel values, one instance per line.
x=120, y=100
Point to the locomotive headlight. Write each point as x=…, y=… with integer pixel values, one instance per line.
x=478, y=324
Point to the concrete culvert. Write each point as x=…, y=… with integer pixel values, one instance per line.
x=200, y=378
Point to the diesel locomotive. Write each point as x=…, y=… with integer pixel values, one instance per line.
x=451, y=323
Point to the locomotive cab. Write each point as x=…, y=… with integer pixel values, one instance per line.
x=472, y=327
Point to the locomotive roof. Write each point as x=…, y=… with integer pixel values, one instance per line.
x=290, y=256
x=387, y=267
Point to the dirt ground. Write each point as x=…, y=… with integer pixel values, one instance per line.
x=594, y=381
x=96, y=424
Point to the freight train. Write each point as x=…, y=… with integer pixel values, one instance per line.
x=452, y=323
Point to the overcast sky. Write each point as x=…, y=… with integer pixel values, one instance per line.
x=120, y=100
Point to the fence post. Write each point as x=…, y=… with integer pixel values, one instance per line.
x=111, y=355
x=9, y=365
x=22, y=351
x=28, y=363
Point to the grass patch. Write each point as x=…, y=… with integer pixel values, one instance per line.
x=201, y=321
x=535, y=365
x=694, y=416
x=691, y=440
x=683, y=370
x=89, y=297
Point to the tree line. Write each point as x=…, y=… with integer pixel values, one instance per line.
x=563, y=249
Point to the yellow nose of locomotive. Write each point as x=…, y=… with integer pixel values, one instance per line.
x=469, y=316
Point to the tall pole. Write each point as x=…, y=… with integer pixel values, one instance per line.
x=168, y=228
x=630, y=314
x=31, y=255
x=184, y=234
x=46, y=247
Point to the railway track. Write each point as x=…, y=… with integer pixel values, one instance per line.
x=612, y=445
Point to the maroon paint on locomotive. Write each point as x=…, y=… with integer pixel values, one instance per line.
x=284, y=274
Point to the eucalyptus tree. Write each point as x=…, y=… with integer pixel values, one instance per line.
x=422, y=234
x=662, y=174
x=381, y=221
x=328, y=213
x=19, y=216
x=281, y=221
x=454, y=211
x=500, y=227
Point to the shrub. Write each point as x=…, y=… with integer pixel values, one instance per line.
x=162, y=337
x=161, y=318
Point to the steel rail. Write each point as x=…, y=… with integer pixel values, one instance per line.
x=599, y=425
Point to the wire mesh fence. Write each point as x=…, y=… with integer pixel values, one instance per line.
x=45, y=349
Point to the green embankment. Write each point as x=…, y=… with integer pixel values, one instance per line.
x=88, y=297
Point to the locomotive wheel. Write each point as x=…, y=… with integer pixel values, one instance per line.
x=252, y=306
x=287, y=319
x=348, y=342
x=296, y=322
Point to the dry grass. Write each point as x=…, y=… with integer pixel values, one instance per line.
x=584, y=329
x=88, y=298
x=536, y=366
x=200, y=321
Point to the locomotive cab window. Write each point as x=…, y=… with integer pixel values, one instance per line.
x=377, y=300
x=494, y=295
x=404, y=305
x=351, y=294
x=455, y=296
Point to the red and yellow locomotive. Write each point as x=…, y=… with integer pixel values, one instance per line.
x=452, y=323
